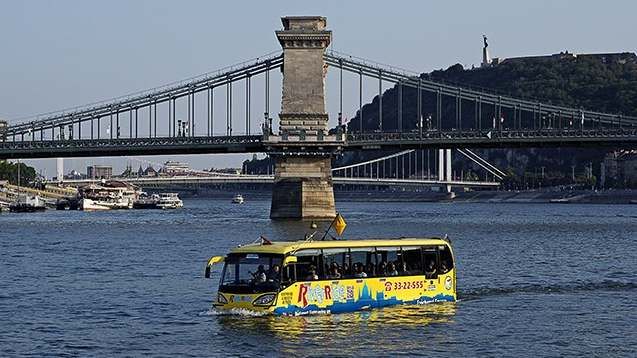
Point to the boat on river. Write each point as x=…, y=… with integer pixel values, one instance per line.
x=169, y=201
x=238, y=199
x=68, y=203
x=108, y=195
x=146, y=201
x=158, y=201
x=27, y=204
x=307, y=277
x=105, y=204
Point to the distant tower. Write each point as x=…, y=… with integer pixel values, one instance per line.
x=486, y=58
x=60, y=169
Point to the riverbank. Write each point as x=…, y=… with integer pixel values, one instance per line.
x=555, y=197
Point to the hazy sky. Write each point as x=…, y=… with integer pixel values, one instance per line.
x=59, y=54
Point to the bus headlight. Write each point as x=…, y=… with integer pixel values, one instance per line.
x=221, y=298
x=265, y=300
x=448, y=283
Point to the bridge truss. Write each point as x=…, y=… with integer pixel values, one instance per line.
x=147, y=123
x=528, y=123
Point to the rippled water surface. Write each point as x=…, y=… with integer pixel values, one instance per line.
x=533, y=280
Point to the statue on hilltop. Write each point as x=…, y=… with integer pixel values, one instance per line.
x=486, y=58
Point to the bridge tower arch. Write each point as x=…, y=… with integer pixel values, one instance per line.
x=303, y=150
x=444, y=168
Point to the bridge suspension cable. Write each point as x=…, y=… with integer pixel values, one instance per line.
x=472, y=156
x=73, y=133
x=131, y=103
x=374, y=160
x=402, y=77
x=151, y=91
x=482, y=163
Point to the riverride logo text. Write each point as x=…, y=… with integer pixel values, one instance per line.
x=319, y=294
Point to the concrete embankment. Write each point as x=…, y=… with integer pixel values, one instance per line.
x=50, y=193
x=562, y=197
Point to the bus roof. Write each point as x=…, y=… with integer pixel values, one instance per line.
x=285, y=247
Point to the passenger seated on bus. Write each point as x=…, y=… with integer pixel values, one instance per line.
x=391, y=269
x=382, y=269
x=369, y=269
x=311, y=274
x=359, y=273
x=333, y=272
x=259, y=276
x=444, y=267
x=274, y=273
x=403, y=268
x=352, y=270
x=430, y=270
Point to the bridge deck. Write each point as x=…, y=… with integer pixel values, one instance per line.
x=268, y=179
x=495, y=139
x=130, y=146
x=617, y=137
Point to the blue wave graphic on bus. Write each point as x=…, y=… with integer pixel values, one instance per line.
x=364, y=301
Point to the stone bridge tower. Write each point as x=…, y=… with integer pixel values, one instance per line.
x=303, y=150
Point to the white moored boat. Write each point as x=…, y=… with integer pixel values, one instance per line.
x=238, y=199
x=105, y=204
x=109, y=195
x=92, y=205
x=169, y=201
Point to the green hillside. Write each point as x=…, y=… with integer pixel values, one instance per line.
x=606, y=83
x=602, y=83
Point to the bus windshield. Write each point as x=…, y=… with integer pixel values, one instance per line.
x=251, y=273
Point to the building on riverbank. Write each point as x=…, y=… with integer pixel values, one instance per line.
x=621, y=168
x=99, y=172
x=171, y=168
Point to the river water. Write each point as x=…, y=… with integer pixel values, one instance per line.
x=533, y=280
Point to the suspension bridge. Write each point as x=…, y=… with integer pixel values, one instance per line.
x=403, y=169
x=269, y=179
x=302, y=145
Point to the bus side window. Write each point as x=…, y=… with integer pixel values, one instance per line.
x=389, y=260
x=289, y=275
x=308, y=265
x=362, y=262
x=430, y=260
x=333, y=263
x=446, y=259
x=412, y=261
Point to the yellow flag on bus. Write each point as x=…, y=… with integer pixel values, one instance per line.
x=339, y=224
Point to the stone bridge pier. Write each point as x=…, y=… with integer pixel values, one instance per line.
x=302, y=149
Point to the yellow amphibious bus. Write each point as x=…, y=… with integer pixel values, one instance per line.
x=302, y=277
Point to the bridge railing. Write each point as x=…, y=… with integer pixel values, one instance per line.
x=130, y=147
x=508, y=133
x=492, y=134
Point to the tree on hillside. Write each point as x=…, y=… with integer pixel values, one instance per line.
x=9, y=171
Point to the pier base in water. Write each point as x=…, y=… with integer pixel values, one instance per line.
x=303, y=189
